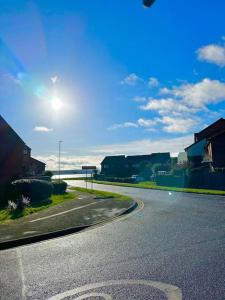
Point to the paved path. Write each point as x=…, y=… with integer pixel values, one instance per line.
x=85, y=210
x=172, y=249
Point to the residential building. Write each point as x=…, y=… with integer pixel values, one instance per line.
x=121, y=166
x=208, y=149
x=114, y=166
x=15, y=156
x=182, y=158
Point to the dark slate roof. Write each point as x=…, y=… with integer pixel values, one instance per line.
x=138, y=158
x=35, y=161
x=211, y=130
x=6, y=129
x=113, y=159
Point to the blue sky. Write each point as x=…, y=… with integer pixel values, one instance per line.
x=110, y=77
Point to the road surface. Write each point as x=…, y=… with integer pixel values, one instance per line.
x=173, y=248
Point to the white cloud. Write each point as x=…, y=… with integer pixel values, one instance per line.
x=139, y=99
x=147, y=122
x=131, y=79
x=123, y=125
x=164, y=91
x=167, y=106
x=153, y=82
x=214, y=54
x=96, y=153
x=202, y=93
x=146, y=146
x=69, y=162
x=42, y=129
x=175, y=125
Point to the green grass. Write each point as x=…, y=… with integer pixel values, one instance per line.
x=152, y=185
x=6, y=215
x=102, y=194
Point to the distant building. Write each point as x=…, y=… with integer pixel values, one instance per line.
x=135, y=162
x=15, y=156
x=209, y=147
x=182, y=158
x=121, y=166
x=114, y=166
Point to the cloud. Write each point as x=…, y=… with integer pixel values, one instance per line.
x=200, y=94
x=139, y=99
x=42, y=129
x=69, y=162
x=131, y=80
x=95, y=154
x=153, y=82
x=123, y=125
x=175, y=125
x=213, y=54
x=146, y=146
x=147, y=122
x=167, y=106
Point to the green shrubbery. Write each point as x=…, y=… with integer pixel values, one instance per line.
x=34, y=189
x=59, y=187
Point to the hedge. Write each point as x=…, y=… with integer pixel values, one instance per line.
x=59, y=187
x=34, y=189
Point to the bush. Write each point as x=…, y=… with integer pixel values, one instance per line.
x=48, y=174
x=59, y=187
x=34, y=189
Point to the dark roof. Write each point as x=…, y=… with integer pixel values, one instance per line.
x=138, y=157
x=160, y=154
x=211, y=130
x=208, y=139
x=35, y=161
x=216, y=135
x=113, y=159
x=6, y=129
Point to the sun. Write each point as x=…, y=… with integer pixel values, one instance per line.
x=56, y=103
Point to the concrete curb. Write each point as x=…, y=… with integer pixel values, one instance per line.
x=50, y=235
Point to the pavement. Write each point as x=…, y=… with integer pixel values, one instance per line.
x=173, y=248
x=70, y=216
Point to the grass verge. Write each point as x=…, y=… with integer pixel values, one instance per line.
x=152, y=185
x=102, y=194
x=6, y=215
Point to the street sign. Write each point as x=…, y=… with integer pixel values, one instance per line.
x=89, y=168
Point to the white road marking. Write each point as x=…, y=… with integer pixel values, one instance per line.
x=171, y=291
x=65, y=212
x=18, y=253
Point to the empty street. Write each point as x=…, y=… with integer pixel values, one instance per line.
x=172, y=248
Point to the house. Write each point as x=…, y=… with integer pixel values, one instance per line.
x=136, y=162
x=121, y=166
x=114, y=166
x=15, y=156
x=36, y=167
x=209, y=147
x=182, y=158
x=160, y=158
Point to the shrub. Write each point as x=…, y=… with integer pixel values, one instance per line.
x=34, y=189
x=59, y=187
x=48, y=173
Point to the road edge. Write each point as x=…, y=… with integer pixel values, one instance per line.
x=59, y=233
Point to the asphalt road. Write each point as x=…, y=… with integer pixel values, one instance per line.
x=174, y=245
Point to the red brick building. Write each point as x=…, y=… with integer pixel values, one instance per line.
x=209, y=147
x=15, y=156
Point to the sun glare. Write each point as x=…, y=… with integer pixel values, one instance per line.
x=56, y=104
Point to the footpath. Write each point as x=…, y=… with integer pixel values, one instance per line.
x=68, y=217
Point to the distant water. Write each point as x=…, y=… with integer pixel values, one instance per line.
x=70, y=176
